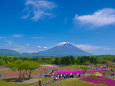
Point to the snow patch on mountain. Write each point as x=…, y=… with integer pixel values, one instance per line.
x=62, y=44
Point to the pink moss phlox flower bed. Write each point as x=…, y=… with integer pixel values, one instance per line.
x=2, y=69
x=99, y=80
x=16, y=75
x=79, y=71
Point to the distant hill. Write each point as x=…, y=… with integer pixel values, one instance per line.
x=8, y=52
x=62, y=49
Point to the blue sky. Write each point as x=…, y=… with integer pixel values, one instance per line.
x=35, y=25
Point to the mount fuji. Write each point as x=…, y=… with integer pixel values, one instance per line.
x=62, y=49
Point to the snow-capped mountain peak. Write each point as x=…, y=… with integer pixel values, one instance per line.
x=63, y=49
x=62, y=44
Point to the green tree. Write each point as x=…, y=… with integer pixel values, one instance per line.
x=113, y=60
x=72, y=59
x=23, y=68
x=84, y=68
x=57, y=61
x=66, y=60
x=87, y=63
x=30, y=67
x=2, y=62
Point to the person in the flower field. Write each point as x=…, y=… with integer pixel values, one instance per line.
x=0, y=76
x=39, y=83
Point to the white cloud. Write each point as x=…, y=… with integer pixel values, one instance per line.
x=39, y=46
x=99, y=18
x=91, y=47
x=45, y=47
x=42, y=47
x=17, y=36
x=38, y=8
x=25, y=17
x=28, y=48
x=27, y=44
x=23, y=49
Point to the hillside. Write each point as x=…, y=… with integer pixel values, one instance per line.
x=8, y=52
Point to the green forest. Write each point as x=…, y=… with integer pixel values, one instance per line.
x=66, y=60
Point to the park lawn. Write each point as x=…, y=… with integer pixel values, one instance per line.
x=47, y=65
x=8, y=82
x=113, y=78
x=7, y=72
x=75, y=82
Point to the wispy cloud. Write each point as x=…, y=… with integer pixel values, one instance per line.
x=28, y=48
x=42, y=47
x=39, y=46
x=38, y=8
x=45, y=47
x=99, y=18
x=23, y=49
x=91, y=47
x=17, y=36
x=27, y=44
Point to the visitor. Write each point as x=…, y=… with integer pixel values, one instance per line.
x=51, y=75
x=0, y=76
x=61, y=75
x=79, y=75
x=55, y=78
x=39, y=83
x=64, y=76
x=5, y=76
x=113, y=74
x=70, y=75
x=74, y=75
x=58, y=77
x=43, y=75
x=67, y=75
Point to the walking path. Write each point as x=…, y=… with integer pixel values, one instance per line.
x=29, y=81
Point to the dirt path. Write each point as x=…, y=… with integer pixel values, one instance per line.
x=29, y=81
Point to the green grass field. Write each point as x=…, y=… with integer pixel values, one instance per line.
x=75, y=82
x=8, y=82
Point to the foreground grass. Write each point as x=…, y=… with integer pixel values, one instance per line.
x=75, y=82
x=8, y=82
x=113, y=78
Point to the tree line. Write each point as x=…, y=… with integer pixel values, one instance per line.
x=66, y=60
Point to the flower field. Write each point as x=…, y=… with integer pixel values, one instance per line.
x=79, y=71
x=99, y=80
x=2, y=69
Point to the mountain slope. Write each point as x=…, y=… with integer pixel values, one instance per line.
x=63, y=49
x=8, y=52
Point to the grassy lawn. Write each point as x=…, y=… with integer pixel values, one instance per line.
x=113, y=78
x=75, y=82
x=8, y=82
